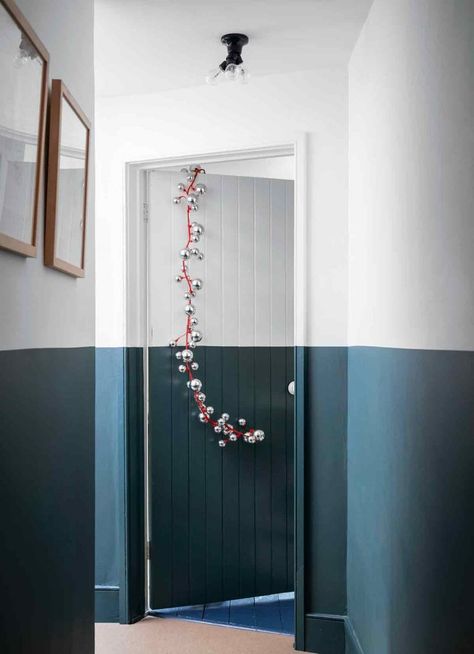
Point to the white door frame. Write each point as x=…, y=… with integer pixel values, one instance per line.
x=137, y=301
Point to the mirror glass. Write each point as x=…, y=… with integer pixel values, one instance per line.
x=21, y=74
x=71, y=186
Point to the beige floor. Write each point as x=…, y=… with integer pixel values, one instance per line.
x=168, y=636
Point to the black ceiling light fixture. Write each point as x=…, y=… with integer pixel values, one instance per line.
x=232, y=67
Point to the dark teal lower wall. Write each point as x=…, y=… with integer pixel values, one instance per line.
x=325, y=519
x=109, y=422
x=119, y=546
x=411, y=500
x=325, y=476
x=388, y=499
x=47, y=500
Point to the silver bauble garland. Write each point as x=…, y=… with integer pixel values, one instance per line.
x=190, y=194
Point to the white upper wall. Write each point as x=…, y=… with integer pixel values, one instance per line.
x=411, y=176
x=41, y=307
x=148, y=46
x=270, y=109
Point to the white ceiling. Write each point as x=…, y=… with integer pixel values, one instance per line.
x=145, y=46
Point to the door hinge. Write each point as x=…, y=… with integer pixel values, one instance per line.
x=146, y=211
x=148, y=550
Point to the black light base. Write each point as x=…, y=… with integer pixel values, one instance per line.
x=235, y=43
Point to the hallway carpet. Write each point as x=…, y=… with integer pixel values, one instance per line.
x=171, y=636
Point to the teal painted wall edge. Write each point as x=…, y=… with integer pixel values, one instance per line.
x=411, y=500
x=353, y=645
x=132, y=578
x=109, y=434
x=47, y=497
x=321, y=499
x=107, y=604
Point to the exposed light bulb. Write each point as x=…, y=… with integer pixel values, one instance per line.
x=214, y=76
x=243, y=75
x=231, y=72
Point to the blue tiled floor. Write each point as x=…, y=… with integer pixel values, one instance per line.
x=267, y=613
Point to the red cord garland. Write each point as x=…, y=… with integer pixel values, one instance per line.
x=220, y=425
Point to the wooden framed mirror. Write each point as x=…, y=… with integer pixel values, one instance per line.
x=23, y=104
x=66, y=199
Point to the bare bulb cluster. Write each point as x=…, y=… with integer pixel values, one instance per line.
x=189, y=194
x=231, y=73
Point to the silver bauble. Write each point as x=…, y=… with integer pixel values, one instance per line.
x=194, y=207
x=202, y=417
x=179, y=355
x=194, y=365
x=192, y=198
x=185, y=253
x=201, y=397
x=192, y=345
x=189, y=309
x=194, y=321
x=200, y=256
x=188, y=384
x=221, y=443
x=221, y=422
x=181, y=186
x=197, y=229
x=182, y=368
x=187, y=355
x=247, y=436
x=187, y=296
x=195, y=238
x=259, y=434
x=196, y=385
x=251, y=439
x=172, y=343
x=225, y=417
x=196, y=284
x=178, y=278
x=189, y=178
x=201, y=188
x=233, y=438
x=176, y=200
x=194, y=252
x=196, y=336
x=242, y=422
x=210, y=410
x=218, y=429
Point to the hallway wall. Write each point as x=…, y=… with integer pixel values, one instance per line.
x=47, y=404
x=411, y=329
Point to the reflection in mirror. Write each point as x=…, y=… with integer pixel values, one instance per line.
x=71, y=186
x=22, y=89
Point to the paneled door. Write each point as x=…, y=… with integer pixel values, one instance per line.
x=221, y=519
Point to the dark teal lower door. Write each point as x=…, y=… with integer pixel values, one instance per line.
x=221, y=518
